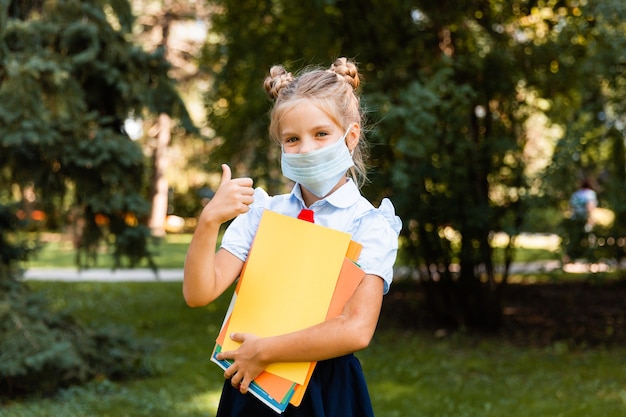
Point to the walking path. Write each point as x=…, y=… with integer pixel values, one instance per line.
x=147, y=275
x=102, y=274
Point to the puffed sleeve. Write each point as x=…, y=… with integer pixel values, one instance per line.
x=238, y=236
x=378, y=232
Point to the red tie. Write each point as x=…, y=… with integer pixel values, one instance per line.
x=306, y=215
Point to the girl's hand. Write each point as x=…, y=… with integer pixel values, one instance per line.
x=247, y=364
x=233, y=197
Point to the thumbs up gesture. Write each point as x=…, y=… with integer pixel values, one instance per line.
x=233, y=197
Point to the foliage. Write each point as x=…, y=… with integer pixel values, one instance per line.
x=12, y=249
x=69, y=77
x=457, y=130
x=409, y=373
x=586, y=87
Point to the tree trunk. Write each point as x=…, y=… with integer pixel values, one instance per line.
x=160, y=185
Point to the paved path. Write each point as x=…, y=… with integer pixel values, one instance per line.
x=102, y=274
x=147, y=275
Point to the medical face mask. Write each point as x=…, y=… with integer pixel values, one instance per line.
x=320, y=170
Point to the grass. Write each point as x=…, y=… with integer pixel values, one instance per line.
x=409, y=374
x=58, y=252
x=460, y=377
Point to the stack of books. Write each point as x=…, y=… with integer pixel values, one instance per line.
x=298, y=274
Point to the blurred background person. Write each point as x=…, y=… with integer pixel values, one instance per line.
x=582, y=204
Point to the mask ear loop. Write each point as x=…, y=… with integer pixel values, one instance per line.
x=345, y=138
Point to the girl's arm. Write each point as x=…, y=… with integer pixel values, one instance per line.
x=207, y=274
x=349, y=332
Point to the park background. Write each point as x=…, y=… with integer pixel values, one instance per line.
x=483, y=118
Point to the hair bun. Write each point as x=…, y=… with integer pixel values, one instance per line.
x=346, y=69
x=276, y=81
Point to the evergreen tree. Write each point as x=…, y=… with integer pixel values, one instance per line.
x=69, y=78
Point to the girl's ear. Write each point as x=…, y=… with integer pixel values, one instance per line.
x=354, y=134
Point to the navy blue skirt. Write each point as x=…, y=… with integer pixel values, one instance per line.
x=337, y=389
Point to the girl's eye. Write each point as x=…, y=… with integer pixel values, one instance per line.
x=322, y=134
x=291, y=140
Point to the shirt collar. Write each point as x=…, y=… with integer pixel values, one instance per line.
x=343, y=197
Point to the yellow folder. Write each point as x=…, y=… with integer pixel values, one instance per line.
x=288, y=283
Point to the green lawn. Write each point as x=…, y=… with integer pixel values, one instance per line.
x=409, y=374
x=168, y=252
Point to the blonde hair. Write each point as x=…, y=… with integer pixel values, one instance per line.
x=332, y=90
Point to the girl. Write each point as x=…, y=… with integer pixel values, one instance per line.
x=316, y=119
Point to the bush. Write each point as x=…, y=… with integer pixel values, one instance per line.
x=42, y=352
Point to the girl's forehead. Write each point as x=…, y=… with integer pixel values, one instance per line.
x=306, y=112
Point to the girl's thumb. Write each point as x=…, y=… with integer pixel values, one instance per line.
x=226, y=174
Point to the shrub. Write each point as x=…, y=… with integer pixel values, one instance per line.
x=42, y=351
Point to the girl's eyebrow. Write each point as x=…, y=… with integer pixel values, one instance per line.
x=315, y=128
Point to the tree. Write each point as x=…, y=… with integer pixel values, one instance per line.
x=586, y=86
x=177, y=29
x=69, y=77
x=451, y=88
x=69, y=80
x=423, y=84
x=457, y=131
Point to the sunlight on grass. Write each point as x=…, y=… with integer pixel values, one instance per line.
x=549, y=242
x=204, y=403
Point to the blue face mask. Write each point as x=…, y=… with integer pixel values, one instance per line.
x=320, y=170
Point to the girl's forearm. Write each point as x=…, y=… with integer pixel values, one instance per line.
x=199, y=281
x=331, y=339
x=349, y=332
